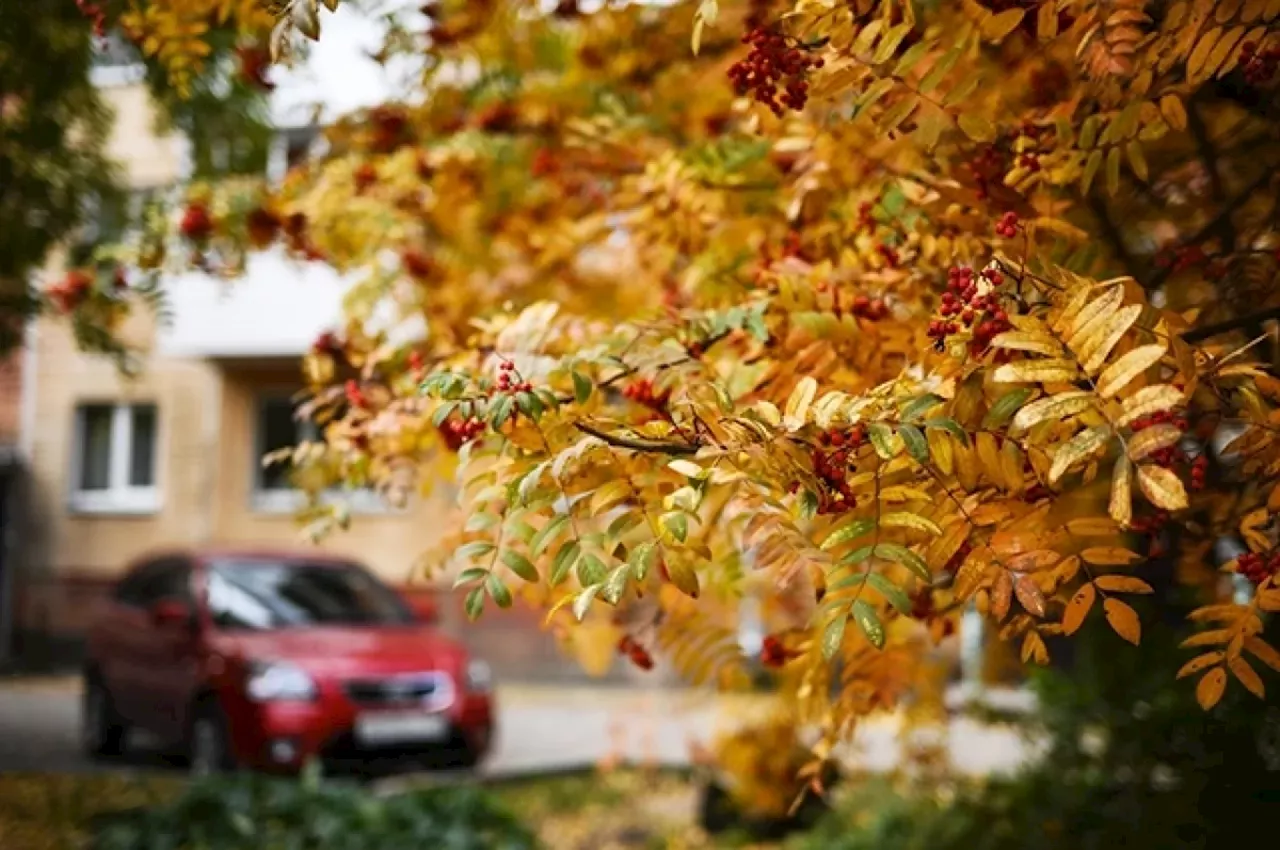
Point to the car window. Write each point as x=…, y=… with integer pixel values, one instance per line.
x=261, y=594
x=163, y=578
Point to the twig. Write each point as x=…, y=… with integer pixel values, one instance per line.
x=639, y=445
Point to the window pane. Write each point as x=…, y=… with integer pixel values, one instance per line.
x=142, y=451
x=276, y=594
x=277, y=430
x=95, y=446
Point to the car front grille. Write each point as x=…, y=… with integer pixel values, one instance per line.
x=433, y=691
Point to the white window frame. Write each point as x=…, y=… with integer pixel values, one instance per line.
x=365, y=500
x=115, y=75
x=120, y=497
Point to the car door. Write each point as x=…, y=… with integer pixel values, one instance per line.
x=162, y=658
x=120, y=642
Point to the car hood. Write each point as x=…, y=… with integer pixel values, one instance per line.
x=350, y=652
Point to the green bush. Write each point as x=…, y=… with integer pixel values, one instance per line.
x=256, y=813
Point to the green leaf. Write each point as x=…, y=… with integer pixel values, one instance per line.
x=848, y=531
x=833, y=636
x=469, y=575
x=902, y=555
x=1007, y=405
x=623, y=523
x=917, y=445
x=442, y=413
x=591, y=570
x=583, y=601
x=893, y=594
x=857, y=556
x=976, y=127
x=530, y=405
x=474, y=603
x=500, y=412
x=474, y=549
x=808, y=504
x=547, y=534
x=498, y=591
x=564, y=561
x=520, y=565
x=882, y=439
x=677, y=524
x=918, y=407
x=951, y=426
x=642, y=558
x=616, y=585
x=481, y=521
x=521, y=530
x=865, y=616
x=581, y=388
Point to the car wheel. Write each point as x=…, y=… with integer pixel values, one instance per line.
x=209, y=745
x=102, y=732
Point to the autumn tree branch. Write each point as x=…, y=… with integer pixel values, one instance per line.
x=660, y=446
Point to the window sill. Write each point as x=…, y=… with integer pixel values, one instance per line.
x=139, y=504
x=117, y=76
x=287, y=502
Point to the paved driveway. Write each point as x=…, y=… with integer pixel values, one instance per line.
x=540, y=729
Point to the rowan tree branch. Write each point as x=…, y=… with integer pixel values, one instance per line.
x=1198, y=334
x=636, y=444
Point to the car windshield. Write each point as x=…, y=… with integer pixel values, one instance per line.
x=267, y=594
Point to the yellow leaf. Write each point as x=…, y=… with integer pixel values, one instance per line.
x=1096, y=343
x=1118, y=375
x=1093, y=527
x=1036, y=371
x=976, y=127
x=1269, y=600
x=1137, y=160
x=1029, y=595
x=940, y=450
x=1200, y=662
x=1094, y=313
x=686, y=468
x=1122, y=584
x=1058, y=406
x=1038, y=343
x=1247, y=676
x=1011, y=461
x=1001, y=594
x=609, y=495
x=1154, y=399
x=1112, y=171
x=1264, y=652
x=1078, y=448
x=1148, y=441
x=1078, y=609
x=1033, y=649
x=1200, y=55
x=1123, y=619
x=1047, y=22
x=1036, y=559
x=904, y=519
x=1210, y=687
x=1162, y=487
x=996, y=27
x=797, y=409
x=1174, y=113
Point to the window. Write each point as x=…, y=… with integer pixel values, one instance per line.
x=116, y=62
x=164, y=578
x=275, y=487
x=109, y=219
x=274, y=594
x=115, y=458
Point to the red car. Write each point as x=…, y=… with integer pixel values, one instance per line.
x=266, y=660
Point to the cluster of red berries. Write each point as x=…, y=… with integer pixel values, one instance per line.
x=508, y=384
x=1170, y=454
x=263, y=226
x=1199, y=471
x=1180, y=258
x=889, y=253
x=1257, y=569
x=544, y=163
x=254, y=62
x=1258, y=66
x=99, y=16
x=962, y=301
x=1029, y=161
x=71, y=291
x=390, y=128
x=865, y=217
x=327, y=343
x=643, y=392
x=366, y=175
x=636, y=653
x=355, y=396
x=1007, y=226
x=830, y=467
x=773, y=653
x=1151, y=524
x=458, y=432
x=988, y=166
x=196, y=223
x=873, y=309
x=417, y=264
x=774, y=58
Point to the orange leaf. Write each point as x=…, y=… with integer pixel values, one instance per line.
x=1001, y=594
x=1078, y=608
x=1110, y=556
x=1263, y=651
x=1199, y=663
x=1247, y=676
x=1029, y=596
x=1122, y=584
x=1035, y=560
x=1208, y=638
x=1210, y=687
x=1123, y=619
x=1033, y=649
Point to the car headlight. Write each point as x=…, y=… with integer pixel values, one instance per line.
x=479, y=676
x=276, y=680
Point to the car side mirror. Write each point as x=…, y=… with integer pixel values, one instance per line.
x=172, y=613
x=425, y=609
